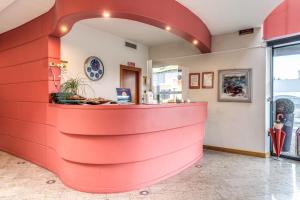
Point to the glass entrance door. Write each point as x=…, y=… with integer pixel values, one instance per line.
x=286, y=95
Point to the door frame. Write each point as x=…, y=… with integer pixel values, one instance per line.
x=139, y=73
x=283, y=42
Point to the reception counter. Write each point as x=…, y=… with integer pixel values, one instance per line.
x=117, y=148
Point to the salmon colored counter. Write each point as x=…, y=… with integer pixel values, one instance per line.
x=117, y=148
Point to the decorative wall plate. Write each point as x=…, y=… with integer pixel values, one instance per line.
x=94, y=68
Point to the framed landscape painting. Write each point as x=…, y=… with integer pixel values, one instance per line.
x=235, y=85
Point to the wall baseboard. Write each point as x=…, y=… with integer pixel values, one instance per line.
x=238, y=151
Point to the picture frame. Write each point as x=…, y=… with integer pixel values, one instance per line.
x=235, y=85
x=123, y=95
x=208, y=80
x=194, y=80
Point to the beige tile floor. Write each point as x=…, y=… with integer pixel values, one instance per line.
x=221, y=177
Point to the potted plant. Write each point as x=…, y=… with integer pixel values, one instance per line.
x=285, y=113
x=72, y=86
x=70, y=90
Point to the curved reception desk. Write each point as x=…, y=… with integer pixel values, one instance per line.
x=118, y=148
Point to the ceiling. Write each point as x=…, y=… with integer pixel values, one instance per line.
x=221, y=16
x=227, y=16
x=5, y=3
x=14, y=13
x=133, y=31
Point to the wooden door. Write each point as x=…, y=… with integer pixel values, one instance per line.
x=130, y=78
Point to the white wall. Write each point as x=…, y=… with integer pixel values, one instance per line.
x=232, y=125
x=172, y=50
x=234, y=41
x=84, y=41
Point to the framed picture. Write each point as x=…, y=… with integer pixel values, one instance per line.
x=123, y=95
x=235, y=85
x=194, y=80
x=208, y=80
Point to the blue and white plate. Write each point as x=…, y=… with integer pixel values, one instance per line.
x=94, y=68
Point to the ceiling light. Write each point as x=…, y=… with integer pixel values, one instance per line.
x=168, y=28
x=195, y=42
x=106, y=14
x=63, y=28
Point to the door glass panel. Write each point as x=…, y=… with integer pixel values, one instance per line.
x=167, y=84
x=286, y=91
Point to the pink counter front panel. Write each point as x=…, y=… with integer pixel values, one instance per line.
x=117, y=148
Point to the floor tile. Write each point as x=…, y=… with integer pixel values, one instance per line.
x=220, y=176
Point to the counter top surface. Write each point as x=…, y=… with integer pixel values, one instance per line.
x=126, y=106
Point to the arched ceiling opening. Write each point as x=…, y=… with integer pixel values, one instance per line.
x=184, y=16
x=168, y=15
x=220, y=16
x=162, y=14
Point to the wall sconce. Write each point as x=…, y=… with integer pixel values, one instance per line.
x=62, y=65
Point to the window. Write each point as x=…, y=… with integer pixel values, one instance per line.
x=167, y=84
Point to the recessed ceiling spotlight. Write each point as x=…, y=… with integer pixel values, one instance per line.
x=106, y=14
x=63, y=28
x=195, y=42
x=168, y=28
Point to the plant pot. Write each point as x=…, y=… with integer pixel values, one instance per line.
x=60, y=96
